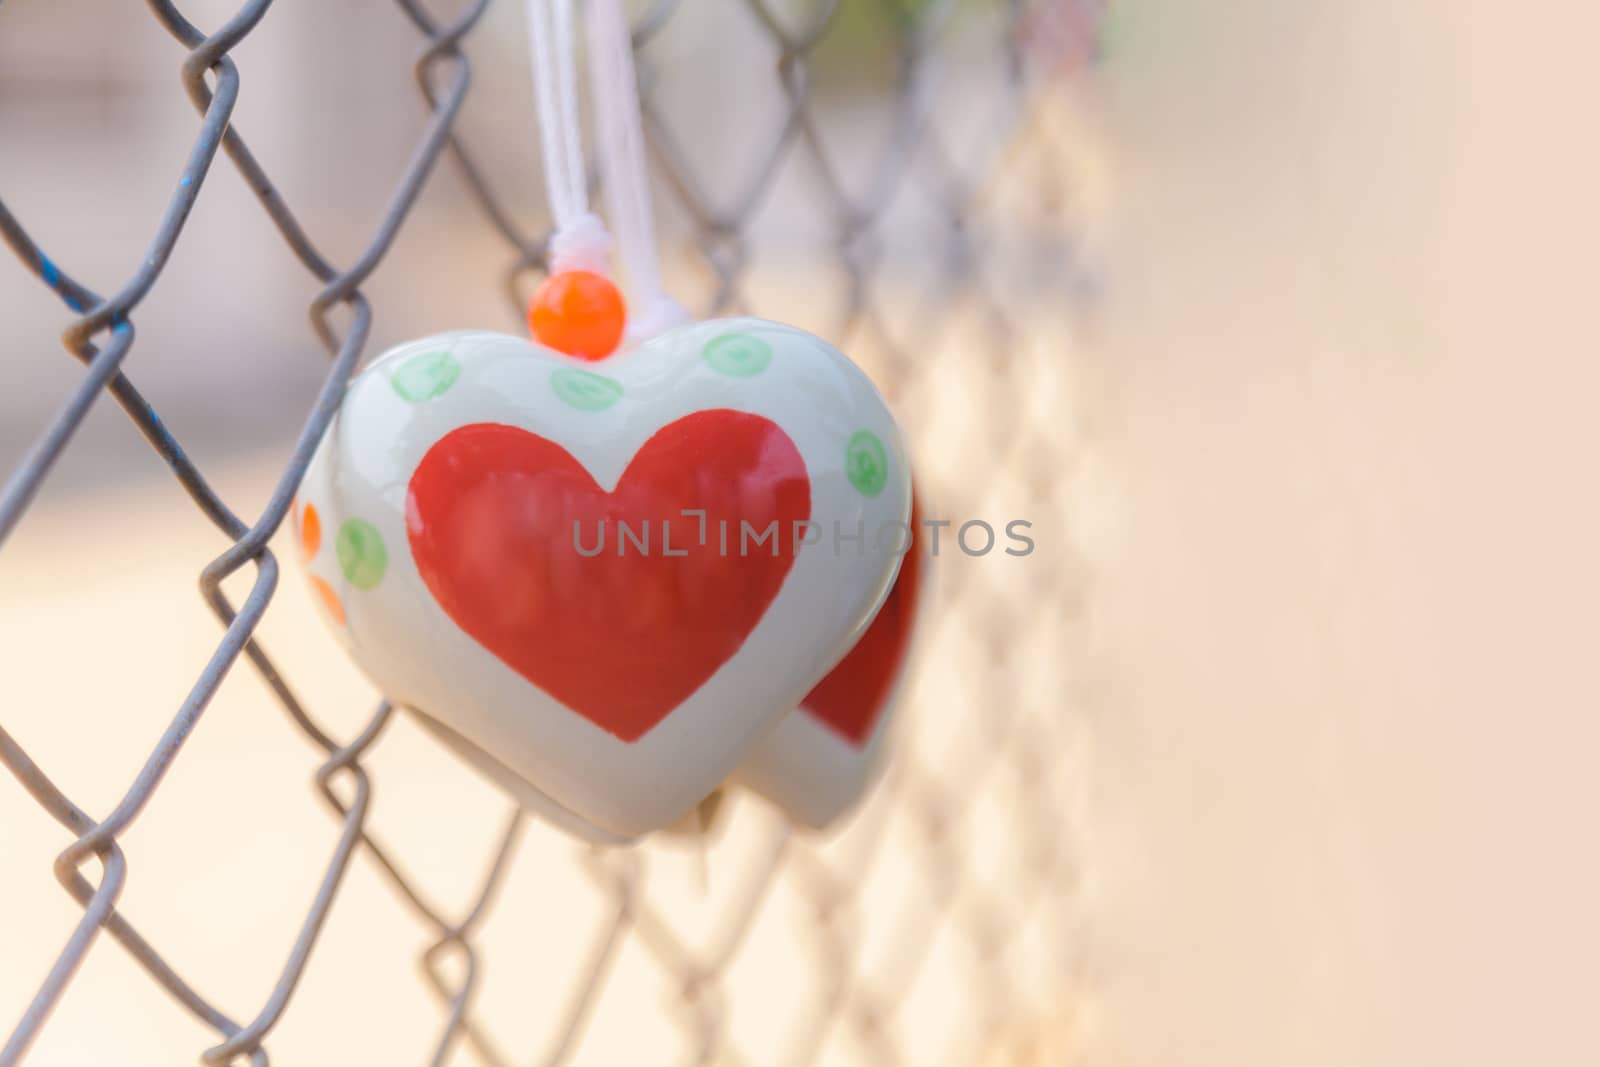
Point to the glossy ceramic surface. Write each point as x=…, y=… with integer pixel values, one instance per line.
x=603, y=582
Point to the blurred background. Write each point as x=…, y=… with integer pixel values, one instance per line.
x=1294, y=297
x=1345, y=623
x=920, y=182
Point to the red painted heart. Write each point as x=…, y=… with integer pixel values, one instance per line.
x=855, y=693
x=625, y=635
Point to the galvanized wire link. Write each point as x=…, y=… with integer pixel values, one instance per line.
x=914, y=159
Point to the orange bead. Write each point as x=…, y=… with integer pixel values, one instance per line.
x=578, y=312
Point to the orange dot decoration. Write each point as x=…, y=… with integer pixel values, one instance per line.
x=310, y=531
x=330, y=599
x=578, y=312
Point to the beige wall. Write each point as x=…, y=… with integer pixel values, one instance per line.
x=1347, y=598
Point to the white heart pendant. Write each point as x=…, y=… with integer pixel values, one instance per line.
x=602, y=582
x=821, y=758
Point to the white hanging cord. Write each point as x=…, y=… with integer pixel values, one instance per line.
x=622, y=164
x=580, y=241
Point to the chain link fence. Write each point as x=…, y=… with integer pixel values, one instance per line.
x=917, y=185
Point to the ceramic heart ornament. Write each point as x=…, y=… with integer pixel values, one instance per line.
x=821, y=758
x=602, y=582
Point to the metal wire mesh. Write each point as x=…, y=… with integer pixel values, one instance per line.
x=951, y=267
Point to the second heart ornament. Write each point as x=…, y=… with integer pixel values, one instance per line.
x=821, y=759
x=602, y=583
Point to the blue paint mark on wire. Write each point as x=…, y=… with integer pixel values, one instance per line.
x=52, y=277
x=51, y=273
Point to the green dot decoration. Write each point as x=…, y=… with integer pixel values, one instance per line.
x=866, y=463
x=738, y=354
x=425, y=376
x=362, y=555
x=585, y=390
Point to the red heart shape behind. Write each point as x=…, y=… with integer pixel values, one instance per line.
x=853, y=695
x=620, y=639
